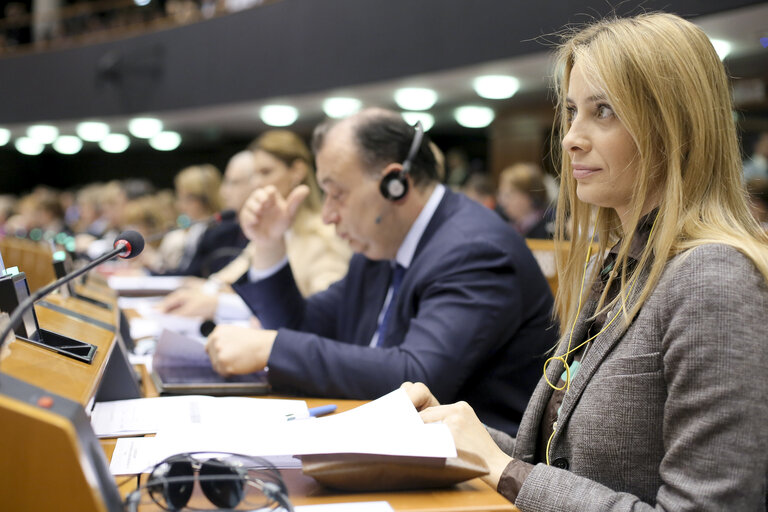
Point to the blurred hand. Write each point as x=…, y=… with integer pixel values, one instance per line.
x=420, y=395
x=236, y=350
x=190, y=303
x=266, y=215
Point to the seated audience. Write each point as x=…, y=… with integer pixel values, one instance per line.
x=281, y=159
x=758, y=200
x=479, y=188
x=197, y=199
x=441, y=288
x=524, y=200
x=757, y=166
x=654, y=397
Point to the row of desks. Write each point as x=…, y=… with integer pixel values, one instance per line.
x=79, y=382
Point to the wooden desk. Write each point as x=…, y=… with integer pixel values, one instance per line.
x=472, y=496
x=62, y=375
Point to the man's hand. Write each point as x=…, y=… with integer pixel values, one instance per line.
x=265, y=218
x=266, y=215
x=237, y=350
x=192, y=303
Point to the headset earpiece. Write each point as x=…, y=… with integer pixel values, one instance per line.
x=394, y=185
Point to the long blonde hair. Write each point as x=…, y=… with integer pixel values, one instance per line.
x=669, y=89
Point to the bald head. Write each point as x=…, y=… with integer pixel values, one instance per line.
x=380, y=137
x=237, y=186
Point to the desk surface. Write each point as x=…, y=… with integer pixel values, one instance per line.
x=471, y=496
x=62, y=375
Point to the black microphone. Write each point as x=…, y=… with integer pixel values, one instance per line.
x=224, y=216
x=128, y=244
x=216, y=218
x=207, y=327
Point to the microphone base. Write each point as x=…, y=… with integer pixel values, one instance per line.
x=63, y=345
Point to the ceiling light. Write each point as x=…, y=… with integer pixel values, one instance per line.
x=427, y=120
x=145, y=127
x=92, y=131
x=473, y=116
x=67, y=144
x=28, y=146
x=278, y=115
x=415, y=98
x=165, y=141
x=115, y=143
x=43, y=133
x=496, y=87
x=723, y=48
x=338, y=108
x=5, y=136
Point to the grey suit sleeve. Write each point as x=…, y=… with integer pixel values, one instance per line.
x=713, y=312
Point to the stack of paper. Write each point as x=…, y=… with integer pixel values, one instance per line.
x=178, y=413
x=387, y=426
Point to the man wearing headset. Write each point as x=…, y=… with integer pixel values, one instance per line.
x=440, y=289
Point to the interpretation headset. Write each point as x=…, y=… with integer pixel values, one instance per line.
x=394, y=184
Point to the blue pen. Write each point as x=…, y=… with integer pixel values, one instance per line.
x=322, y=410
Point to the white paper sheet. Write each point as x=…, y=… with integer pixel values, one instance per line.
x=387, y=426
x=177, y=413
x=159, y=284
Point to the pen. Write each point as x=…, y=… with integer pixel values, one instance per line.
x=322, y=410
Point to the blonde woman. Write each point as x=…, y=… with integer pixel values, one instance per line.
x=661, y=405
x=197, y=198
x=318, y=258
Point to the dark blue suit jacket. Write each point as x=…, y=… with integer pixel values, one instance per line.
x=472, y=320
x=220, y=244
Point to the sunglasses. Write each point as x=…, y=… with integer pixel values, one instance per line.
x=228, y=481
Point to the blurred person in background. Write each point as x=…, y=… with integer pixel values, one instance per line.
x=197, y=199
x=7, y=207
x=524, y=200
x=758, y=200
x=112, y=199
x=479, y=188
x=282, y=160
x=89, y=216
x=223, y=240
x=757, y=166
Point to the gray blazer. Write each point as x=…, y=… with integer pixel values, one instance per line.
x=670, y=413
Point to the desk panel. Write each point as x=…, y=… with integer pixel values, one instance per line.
x=62, y=375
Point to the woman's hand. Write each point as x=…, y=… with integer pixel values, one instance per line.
x=420, y=395
x=469, y=433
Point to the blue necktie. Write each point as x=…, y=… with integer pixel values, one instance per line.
x=397, y=278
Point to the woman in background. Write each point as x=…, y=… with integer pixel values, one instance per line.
x=197, y=199
x=523, y=198
x=654, y=398
x=317, y=257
